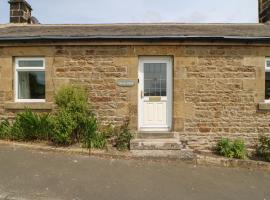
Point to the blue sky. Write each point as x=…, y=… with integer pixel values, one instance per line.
x=113, y=11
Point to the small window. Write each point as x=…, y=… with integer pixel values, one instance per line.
x=30, y=79
x=267, y=79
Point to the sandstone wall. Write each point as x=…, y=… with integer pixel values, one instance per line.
x=217, y=89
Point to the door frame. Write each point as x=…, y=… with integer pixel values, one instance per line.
x=156, y=59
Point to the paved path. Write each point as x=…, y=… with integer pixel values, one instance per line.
x=26, y=174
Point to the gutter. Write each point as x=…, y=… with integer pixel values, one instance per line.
x=61, y=38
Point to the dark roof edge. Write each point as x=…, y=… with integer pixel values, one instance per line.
x=228, y=38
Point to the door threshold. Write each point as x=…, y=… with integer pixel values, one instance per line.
x=155, y=135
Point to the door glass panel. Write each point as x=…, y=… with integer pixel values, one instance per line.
x=155, y=79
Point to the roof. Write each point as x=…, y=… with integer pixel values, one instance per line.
x=11, y=32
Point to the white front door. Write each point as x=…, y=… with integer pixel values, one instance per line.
x=155, y=94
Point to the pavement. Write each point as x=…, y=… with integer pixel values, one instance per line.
x=31, y=174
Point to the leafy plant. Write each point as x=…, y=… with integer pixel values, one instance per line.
x=63, y=127
x=92, y=138
x=224, y=148
x=31, y=126
x=231, y=149
x=74, y=100
x=239, y=149
x=263, y=148
x=124, y=137
x=5, y=129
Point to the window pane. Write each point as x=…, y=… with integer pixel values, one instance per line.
x=268, y=63
x=155, y=79
x=31, y=85
x=30, y=63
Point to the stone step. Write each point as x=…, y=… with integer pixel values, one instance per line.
x=155, y=144
x=154, y=135
x=160, y=148
x=185, y=154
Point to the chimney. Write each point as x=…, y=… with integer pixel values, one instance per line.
x=264, y=11
x=20, y=11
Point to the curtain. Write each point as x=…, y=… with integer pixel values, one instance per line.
x=24, y=85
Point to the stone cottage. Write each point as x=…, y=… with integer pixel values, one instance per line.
x=182, y=86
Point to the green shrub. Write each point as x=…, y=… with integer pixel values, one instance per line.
x=123, y=138
x=224, y=148
x=72, y=97
x=74, y=100
x=63, y=127
x=231, y=149
x=263, y=148
x=5, y=129
x=92, y=138
x=31, y=126
x=239, y=149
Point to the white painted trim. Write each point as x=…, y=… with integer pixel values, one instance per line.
x=21, y=69
x=156, y=59
x=267, y=68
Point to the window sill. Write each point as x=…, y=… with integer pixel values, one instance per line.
x=264, y=106
x=22, y=106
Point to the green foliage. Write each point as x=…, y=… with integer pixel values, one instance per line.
x=231, y=149
x=92, y=138
x=71, y=97
x=5, y=129
x=224, y=148
x=31, y=126
x=263, y=148
x=74, y=100
x=123, y=138
x=63, y=127
x=239, y=149
x=73, y=122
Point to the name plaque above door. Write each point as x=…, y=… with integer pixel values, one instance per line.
x=125, y=83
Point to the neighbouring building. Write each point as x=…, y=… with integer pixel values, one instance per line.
x=182, y=86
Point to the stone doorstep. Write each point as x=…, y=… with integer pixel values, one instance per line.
x=160, y=145
x=155, y=135
x=156, y=144
x=186, y=154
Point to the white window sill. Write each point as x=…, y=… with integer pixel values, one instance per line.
x=30, y=105
x=30, y=101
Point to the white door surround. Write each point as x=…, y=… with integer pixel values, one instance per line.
x=155, y=93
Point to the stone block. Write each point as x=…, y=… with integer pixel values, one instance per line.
x=249, y=84
x=254, y=61
x=184, y=110
x=6, y=84
x=186, y=61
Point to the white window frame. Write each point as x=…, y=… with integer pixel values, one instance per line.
x=27, y=69
x=267, y=69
